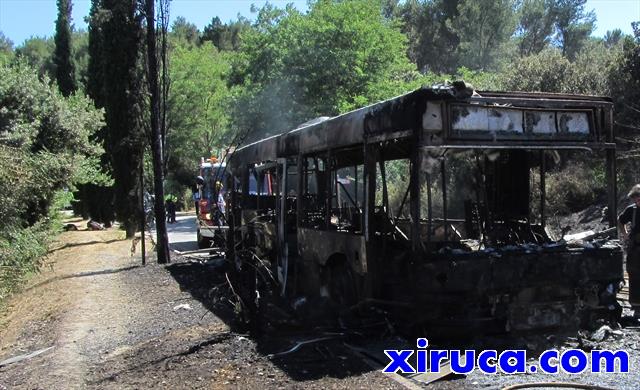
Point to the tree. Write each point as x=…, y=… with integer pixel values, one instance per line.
x=124, y=107
x=6, y=45
x=225, y=36
x=65, y=70
x=339, y=56
x=50, y=134
x=38, y=52
x=547, y=71
x=198, y=113
x=162, y=243
x=36, y=172
x=625, y=83
x=550, y=71
x=433, y=43
x=95, y=200
x=95, y=64
x=625, y=90
x=484, y=27
x=573, y=25
x=535, y=26
x=612, y=38
x=185, y=32
x=80, y=43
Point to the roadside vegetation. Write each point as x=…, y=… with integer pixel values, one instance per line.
x=45, y=151
x=74, y=107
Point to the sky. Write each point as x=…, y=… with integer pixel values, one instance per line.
x=21, y=19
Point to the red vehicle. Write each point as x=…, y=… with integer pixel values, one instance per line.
x=211, y=223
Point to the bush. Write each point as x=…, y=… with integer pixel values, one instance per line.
x=574, y=188
x=21, y=254
x=45, y=149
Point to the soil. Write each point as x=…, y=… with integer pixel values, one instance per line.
x=113, y=323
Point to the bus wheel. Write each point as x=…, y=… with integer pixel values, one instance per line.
x=341, y=285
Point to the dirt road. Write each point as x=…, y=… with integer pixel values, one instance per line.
x=111, y=323
x=100, y=320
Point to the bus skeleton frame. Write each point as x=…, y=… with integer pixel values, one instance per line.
x=327, y=227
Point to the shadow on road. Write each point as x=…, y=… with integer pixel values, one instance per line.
x=208, y=285
x=75, y=244
x=82, y=274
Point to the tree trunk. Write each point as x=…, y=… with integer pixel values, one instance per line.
x=162, y=240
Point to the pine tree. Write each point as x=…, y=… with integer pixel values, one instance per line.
x=65, y=70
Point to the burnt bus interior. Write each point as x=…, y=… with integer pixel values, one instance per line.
x=431, y=205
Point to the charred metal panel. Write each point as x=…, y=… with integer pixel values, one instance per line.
x=472, y=121
x=432, y=117
x=399, y=114
x=526, y=289
x=467, y=118
x=318, y=245
x=257, y=152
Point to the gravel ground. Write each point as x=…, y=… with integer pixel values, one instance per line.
x=115, y=324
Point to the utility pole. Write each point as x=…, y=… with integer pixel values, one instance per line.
x=162, y=239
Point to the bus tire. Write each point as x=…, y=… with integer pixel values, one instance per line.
x=341, y=283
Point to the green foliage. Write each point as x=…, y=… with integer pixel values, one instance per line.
x=122, y=92
x=95, y=64
x=613, y=38
x=340, y=56
x=427, y=24
x=45, y=150
x=65, y=69
x=6, y=45
x=44, y=139
x=225, y=36
x=573, y=25
x=80, y=57
x=185, y=33
x=574, y=188
x=198, y=115
x=484, y=27
x=38, y=52
x=21, y=253
x=624, y=78
x=547, y=71
x=535, y=26
x=550, y=71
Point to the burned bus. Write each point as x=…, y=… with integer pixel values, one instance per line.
x=432, y=204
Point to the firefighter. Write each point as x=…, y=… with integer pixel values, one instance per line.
x=221, y=204
x=171, y=209
x=631, y=216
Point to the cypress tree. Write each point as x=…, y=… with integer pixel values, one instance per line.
x=95, y=74
x=65, y=71
x=123, y=103
x=96, y=201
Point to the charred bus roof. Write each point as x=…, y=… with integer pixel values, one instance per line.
x=453, y=117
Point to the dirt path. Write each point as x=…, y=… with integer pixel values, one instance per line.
x=112, y=323
x=115, y=324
